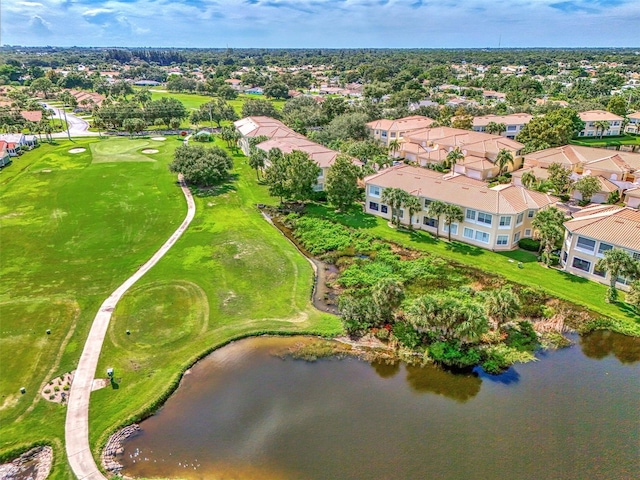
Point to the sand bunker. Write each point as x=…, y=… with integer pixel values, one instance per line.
x=158, y=139
x=149, y=150
x=77, y=150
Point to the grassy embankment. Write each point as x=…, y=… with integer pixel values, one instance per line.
x=75, y=226
x=574, y=289
x=632, y=140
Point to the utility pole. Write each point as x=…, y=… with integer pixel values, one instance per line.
x=65, y=121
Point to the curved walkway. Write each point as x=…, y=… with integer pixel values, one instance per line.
x=77, y=422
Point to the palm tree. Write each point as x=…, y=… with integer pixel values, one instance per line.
x=601, y=126
x=256, y=160
x=496, y=128
x=435, y=210
x=548, y=229
x=394, y=198
x=503, y=160
x=453, y=157
x=501, y=305
x=412, y=204
x=394, y=146
x=619, y=264
x=528, y=180
x=452, y=213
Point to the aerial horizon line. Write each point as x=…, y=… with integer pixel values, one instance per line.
x=559, y=47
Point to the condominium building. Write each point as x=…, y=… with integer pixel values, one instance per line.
x=513, y=123
x=386, y=131
x=595, y=230
x=494, y=218
x=592, y=127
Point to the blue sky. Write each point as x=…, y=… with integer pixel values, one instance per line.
x=322, y=23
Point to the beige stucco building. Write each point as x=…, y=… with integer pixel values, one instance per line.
x=494, y=218
x=594, y=230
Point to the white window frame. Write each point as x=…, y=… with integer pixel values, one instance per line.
x=516, y=237
x=454, y=228
x=531, y=213
x=506, y=240
x=485, y=216
x=480, y=233
x=600, y=253
x=505, y=222
x=527, y=233
x=470, y=218
x=583, y=260
x=468, y=230
x=372, y=192
x=520, y=218
x=583, y=249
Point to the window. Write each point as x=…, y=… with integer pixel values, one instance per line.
x=484, y=218
x=624, y=280
x=564, y=257
x=511, y=128
x=531, y=213
x=384, y=209
x=516, y=237
x=468, y=233
x=374, y=191
x=636, y=256
x=503, y=240
x=581, y=264
x=505, y=222
x=482, y=236
x=603, y=248
x=377, y=132
x=401, y=213
x=383, y=134
x=527, y=233
x=471, y=215
x=393, y=134
x=427, y=202
x=519, y=218
x=431, y=222
x=586, y=245
x=454, y=228
x=373, y=206
x=599, y=273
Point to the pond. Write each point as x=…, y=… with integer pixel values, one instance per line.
x=244, y=413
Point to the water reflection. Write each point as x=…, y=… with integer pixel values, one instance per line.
x=430, y=379
x=602, y=343
x=509, y=377
x=386, y=370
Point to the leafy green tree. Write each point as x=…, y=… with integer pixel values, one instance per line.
x=435, y=210
x=258, y=107
x=350, y=126
x=633, y=296
x=217, y=110
x=587, y=186
x=275, y=176
x=333, y=107
x=617, y=105
x=342, y=183
x=452, y=213
x=292, y=175
x=174, y=123
x=548, y=228
x=134, y=125
x=614, y=197
x=42, y=85
x=200, y=165
x=617, y=263
x=464, y=122
x=501, y=305
x=496, y=128
x=276, y=90
x=164, y=109
x=555, y=128
x=503, y=160
x=559, y=178
x=230, y=135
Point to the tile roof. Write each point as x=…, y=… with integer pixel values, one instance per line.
x=503, y=199
x=574, y=155
x=634, y=115
x=323, y=156
x=633, y=192
x=405, y=124
x=32, y=115
x=596, y=115
x=257, y=126
x=513, y=119
x=615, y=225
x=474, y=143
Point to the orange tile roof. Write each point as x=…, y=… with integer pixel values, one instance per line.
x=503, y=199
x=513, y=119
x=32, y=115
x=405, y=124
x=323, y=156
x=258, y=126
x=597, y=115
x=615, y=225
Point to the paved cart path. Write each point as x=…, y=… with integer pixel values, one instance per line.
x=77, y=422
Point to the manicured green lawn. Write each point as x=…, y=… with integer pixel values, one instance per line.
x=74, y=228
x=560, y=284
x=71, y=232
x=606, y=141
x=230, y=275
